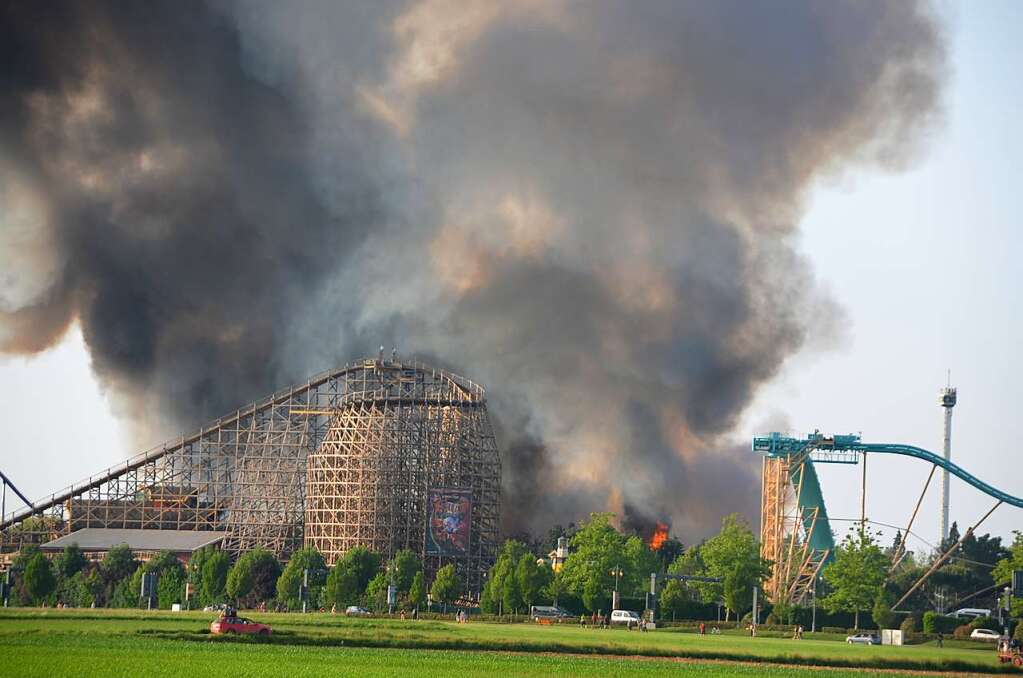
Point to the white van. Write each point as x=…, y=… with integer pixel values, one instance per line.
x=971, y=613
x=625, y=617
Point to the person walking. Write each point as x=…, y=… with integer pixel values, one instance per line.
x=703, y=629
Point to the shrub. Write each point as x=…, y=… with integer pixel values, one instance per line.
x=985, y=623
x=908, y=625
x=962, y=632
x=1018, y=635
x=936, y=623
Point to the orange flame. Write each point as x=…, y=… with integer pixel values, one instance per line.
x=659, y=536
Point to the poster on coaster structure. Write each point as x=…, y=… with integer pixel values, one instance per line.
x=447, y=524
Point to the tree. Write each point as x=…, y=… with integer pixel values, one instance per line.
x=417, y=591
x=71, y=561
x=856, y=575
x=376, y=592
x=673, y=598
x=213, y=582
x=734, y=556
x=669, y=551
x=555, y=588
x=446, y=585
x=530, y=578
x=882, y=612
x=39, y=579
x=597, y=549
x=1002, y=573
x=342, y=588
x=253, y=577
x=403, y=568
x=500, y=593
x=289, y=584
x=170, y=582
x=117, y=567
x=363, y=563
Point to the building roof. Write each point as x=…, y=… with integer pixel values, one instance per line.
x=102, y=539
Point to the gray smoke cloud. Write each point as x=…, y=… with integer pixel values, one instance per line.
x=588, y=207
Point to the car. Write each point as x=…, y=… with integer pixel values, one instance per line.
x=549, y=613
x=863, y=639
x=356, y=611
x=228, y=625
x=627, y=617
x=985, y=634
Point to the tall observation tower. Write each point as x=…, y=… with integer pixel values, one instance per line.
x=947, y=401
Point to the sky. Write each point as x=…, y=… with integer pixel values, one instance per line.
x=923, y=264
x=926, y=265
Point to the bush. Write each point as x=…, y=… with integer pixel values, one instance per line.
x=834, y=629
x=962, y=632
x=1018, y=635
x=936, y=623
x=908, y=625
x=985, y=623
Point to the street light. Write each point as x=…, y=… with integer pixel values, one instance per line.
x=617, y=573
x=813, y=594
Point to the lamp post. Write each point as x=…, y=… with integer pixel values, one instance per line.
x=1007, y=605
x=617, y=573
x=813, y=597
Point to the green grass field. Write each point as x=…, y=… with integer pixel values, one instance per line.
x=126, y=643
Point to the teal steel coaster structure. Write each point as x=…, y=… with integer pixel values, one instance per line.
x=795, y=532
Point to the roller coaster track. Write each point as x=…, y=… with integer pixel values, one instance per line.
x=795, y=531
x=843, y=449
x=938, y=460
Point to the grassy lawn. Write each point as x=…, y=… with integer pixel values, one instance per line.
x=71, y=642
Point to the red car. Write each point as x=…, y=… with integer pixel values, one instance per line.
x=239, y=625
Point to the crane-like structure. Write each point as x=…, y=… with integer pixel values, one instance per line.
x=795, y=534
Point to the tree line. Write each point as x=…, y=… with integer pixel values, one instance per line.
x=361, y=577
x=601, y=558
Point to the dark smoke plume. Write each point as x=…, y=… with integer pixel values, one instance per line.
x=588, y=207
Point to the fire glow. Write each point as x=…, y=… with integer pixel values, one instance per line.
x=659, y=536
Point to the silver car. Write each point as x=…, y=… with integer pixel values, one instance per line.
x=863, y=639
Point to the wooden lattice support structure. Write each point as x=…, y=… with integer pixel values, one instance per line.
x=398, y=434
x=406, y=427
x=787, y=528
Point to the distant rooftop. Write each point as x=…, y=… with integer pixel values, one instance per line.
x=102, y=539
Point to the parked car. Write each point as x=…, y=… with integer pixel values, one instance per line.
x=627, y=617
x=549, y=613
x=985, y=634
x=225, y=625
x=971, y=613
x=863, y=639
x=356, y=611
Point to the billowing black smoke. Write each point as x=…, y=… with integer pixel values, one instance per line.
x=587, y=207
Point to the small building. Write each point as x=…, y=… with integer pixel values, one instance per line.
x=558, y=556
x=95, y=542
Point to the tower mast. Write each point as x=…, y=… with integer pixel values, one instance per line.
x=947, y=402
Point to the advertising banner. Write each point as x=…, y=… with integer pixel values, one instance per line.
x=447, y=524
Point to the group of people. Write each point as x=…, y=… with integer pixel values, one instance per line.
x=596, y=618
x=604, y=621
